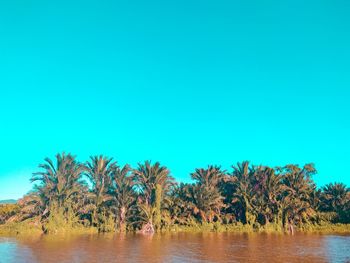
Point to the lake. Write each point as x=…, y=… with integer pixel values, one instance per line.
x=181, y=247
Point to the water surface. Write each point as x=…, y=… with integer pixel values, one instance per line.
x=182, y=247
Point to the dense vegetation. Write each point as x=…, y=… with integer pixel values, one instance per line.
x=102, y=195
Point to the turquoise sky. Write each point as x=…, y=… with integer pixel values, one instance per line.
x=188, y=83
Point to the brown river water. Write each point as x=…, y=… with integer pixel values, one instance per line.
x=182, y=247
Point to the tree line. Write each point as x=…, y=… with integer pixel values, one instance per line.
x=102, y=194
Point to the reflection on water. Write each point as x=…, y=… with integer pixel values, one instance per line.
x=183, y=247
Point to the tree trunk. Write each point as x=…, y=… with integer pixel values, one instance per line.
x=122, y=219
x=157, y=205
x=290, y=228
x=94, y=217
x=203, y=217
x=147, y=229
x=247, y=216
x=267, y=221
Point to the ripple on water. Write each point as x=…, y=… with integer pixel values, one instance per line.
x=184, y=247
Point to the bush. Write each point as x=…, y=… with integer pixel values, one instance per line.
x=7, y=211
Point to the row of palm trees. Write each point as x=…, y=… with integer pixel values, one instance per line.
x=102, y=194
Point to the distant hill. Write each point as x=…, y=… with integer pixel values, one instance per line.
x=8, y=201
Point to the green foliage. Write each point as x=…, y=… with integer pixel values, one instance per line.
x=27, y=227
x=106, y=222
x=56, y=221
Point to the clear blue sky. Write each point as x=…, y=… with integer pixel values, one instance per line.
x=188, y=83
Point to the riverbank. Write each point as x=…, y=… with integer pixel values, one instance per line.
x=241, y=228
x=31, y=228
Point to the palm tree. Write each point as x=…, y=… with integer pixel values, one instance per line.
x=268, y=188
x=148, y=197
x=34, y=205
x=154, y=182
x=243, y=179
x=335, y=197
x=99, y=171
x=209, y=177
x=123, y=193
x=205, y=193
x=298, y=189
x=59, y=187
